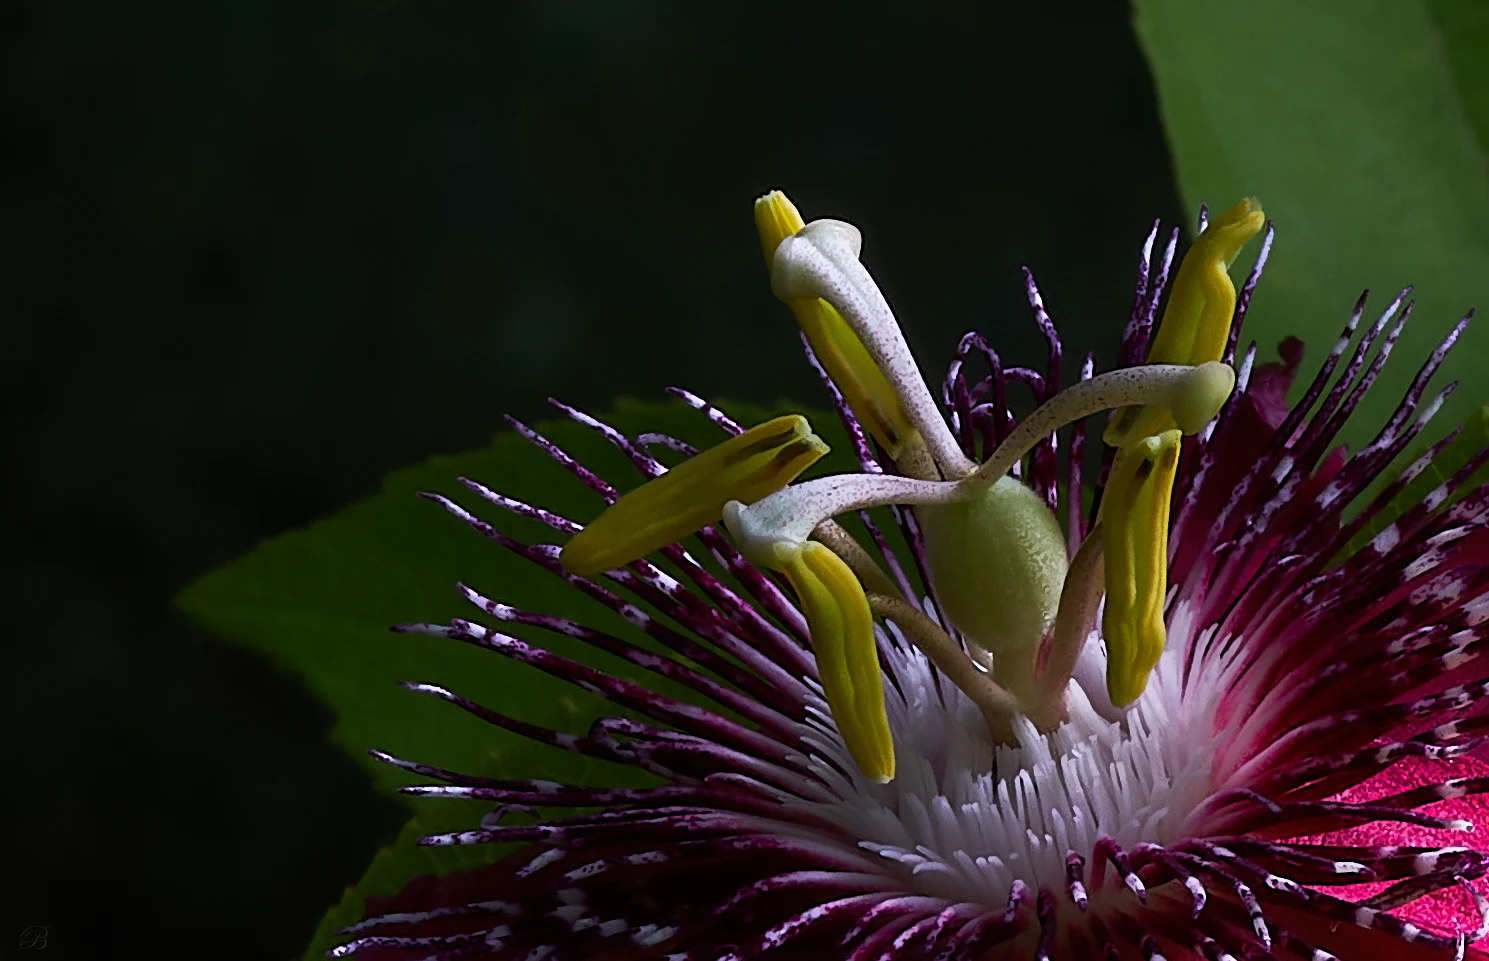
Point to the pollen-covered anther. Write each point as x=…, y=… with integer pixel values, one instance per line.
x=1197, y=320
x=776, y=218
x=842, y=630
x=1135, y=551
x=774, y=533
x=692, y=495
x=1196, y=323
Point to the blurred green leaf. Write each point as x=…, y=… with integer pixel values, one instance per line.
x=1362, y=125
x=320, y=601
x=391, y=869
x=1464, y=27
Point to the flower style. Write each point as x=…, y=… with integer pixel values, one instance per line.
x=1227, y=712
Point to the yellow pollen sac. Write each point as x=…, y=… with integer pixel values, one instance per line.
x=1135, y=548
x=842, y=629
x=692, y=495
x=847, y=361
x=776, y=218
x=1196, y=323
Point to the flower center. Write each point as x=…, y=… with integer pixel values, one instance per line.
x=1021, y=608
x=967, y=816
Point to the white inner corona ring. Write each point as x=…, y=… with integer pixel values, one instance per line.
x=967, y=817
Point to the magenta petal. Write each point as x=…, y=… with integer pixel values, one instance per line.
x=1271, y=382
x=1449, y=909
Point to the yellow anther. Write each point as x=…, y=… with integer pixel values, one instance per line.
x=776, y=218
x=842, y=629
x=1135, y=549
x=692, y=495
x=1196, y=323
x=849, y=365
x=847, y=361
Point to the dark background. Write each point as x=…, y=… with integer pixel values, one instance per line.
x=257, y=253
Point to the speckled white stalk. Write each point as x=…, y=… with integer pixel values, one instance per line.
x=821, y=260
x=1158, y=384
x=791, y=514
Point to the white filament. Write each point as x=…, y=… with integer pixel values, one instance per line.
x=964, y=817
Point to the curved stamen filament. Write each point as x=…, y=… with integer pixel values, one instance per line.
x=997, y=705
x=822, y=261
x=1080, y=602
x=864, y=567
x=1193, y=394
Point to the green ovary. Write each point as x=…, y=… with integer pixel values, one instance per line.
x=998, y=563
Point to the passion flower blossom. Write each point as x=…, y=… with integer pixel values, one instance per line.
x=1226, y=712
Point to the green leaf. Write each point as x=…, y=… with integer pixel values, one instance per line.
x=1362, y=125
x=1464, y=27
x=391, y=869
x=321, y=600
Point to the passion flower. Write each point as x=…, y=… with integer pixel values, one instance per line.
x=1226, y=711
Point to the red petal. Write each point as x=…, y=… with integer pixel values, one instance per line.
x=1447, y=910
